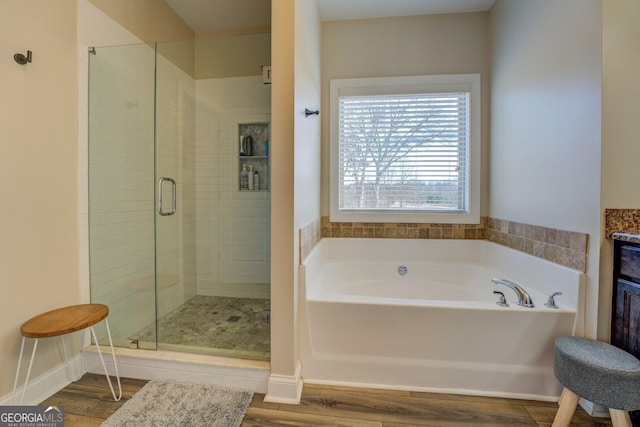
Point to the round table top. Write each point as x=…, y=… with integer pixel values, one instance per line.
x=64, y=320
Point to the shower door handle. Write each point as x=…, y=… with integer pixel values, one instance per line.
x=173, y=194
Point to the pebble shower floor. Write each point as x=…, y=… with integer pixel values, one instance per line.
x=225, y=326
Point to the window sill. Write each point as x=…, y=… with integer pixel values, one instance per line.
x=405, y=217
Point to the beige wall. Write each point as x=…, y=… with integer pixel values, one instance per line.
x=418, y=45
x=181, y=53
x=620, y=125
x=154, y=21
x=151, y=20
x=545, y=121
x=236, y=55
x=620, y=104
x=38, y=167
x=282, y=190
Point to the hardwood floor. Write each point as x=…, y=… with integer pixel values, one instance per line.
x=88, y=402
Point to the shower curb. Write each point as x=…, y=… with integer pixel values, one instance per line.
x=197, y=368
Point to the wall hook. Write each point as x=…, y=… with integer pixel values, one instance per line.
x=21, y=59
x=308, y=112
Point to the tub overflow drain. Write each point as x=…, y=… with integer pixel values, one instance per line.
x=402, y=270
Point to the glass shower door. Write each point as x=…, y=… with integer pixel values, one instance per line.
x=175, y=189
x=121, y=196
x=178, y=251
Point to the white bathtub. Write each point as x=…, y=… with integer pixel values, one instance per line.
x=437, y=327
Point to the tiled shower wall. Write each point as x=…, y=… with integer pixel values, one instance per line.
x=232, y=227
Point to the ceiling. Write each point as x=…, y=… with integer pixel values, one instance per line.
x=221, y=15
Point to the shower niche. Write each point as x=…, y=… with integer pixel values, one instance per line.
x=253, y=157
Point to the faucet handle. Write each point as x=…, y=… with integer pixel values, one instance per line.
x=502, y=301
x=551, y=302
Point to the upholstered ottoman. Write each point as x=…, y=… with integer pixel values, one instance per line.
x=598, y=372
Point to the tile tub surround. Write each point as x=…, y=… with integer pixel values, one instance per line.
x=567, y=248
x=310, y=235
x=562, y=247
x=622, y=224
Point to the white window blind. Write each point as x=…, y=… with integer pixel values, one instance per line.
x=407, y=152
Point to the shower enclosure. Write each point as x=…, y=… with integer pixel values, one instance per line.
x=177, y=250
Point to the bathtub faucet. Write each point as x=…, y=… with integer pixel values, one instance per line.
x=523, y=297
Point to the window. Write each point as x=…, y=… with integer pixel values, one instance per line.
x=405, y=149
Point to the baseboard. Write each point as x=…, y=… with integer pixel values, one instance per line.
x=285, y=388
x=47, y=384
x=435, y=390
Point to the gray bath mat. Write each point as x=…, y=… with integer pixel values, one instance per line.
x=172, y=403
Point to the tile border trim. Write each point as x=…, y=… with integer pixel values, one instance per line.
x=567, y=248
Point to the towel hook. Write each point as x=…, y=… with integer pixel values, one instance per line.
x=21, y=59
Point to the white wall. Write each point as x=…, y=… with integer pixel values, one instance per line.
x=545, y=120
x=406, y=46
x=620, y=124
x=38, y=168
x=307, y=129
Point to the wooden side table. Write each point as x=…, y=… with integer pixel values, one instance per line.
x=64, y=321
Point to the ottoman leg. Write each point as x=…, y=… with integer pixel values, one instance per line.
x=566, y=409
x=561, y=395
x=620, y=418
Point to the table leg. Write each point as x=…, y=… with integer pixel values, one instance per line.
x=115, y=365
x=15, y=382
x=26, y=380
